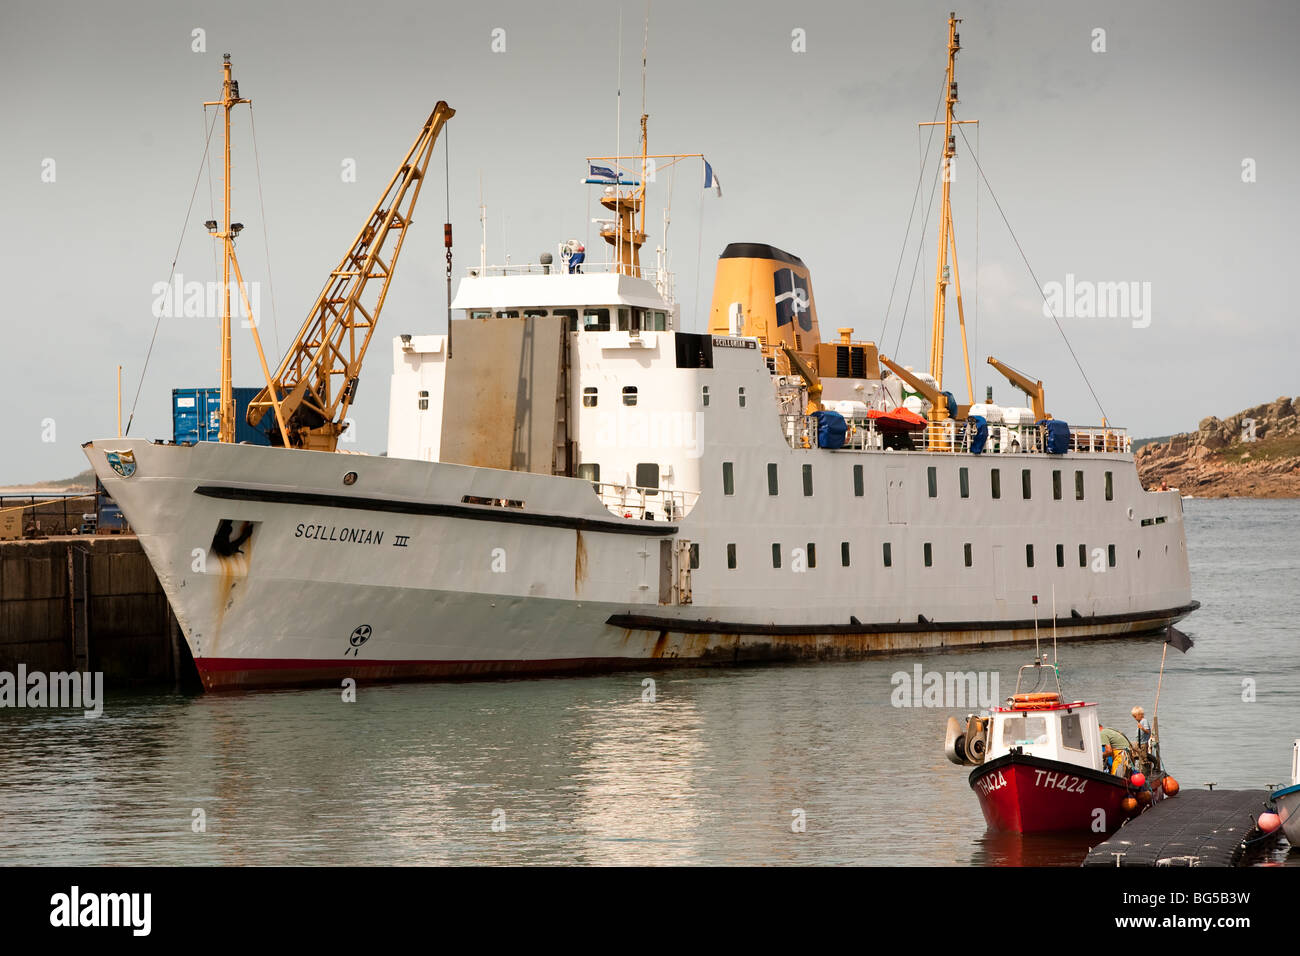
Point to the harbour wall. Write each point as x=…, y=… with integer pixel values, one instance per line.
x=89, y=602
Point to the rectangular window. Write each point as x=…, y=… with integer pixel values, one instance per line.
x=886, y=553
x=571, y=317
x=963, y=479
x=1071, y=732
x=932, y=477
x=731, y=557
x=929, y=555
x=740, y=396
x=695, y=556
x=423, y=402
x=704, y=395
x=1110, y=555
x=858, y=488
x=1056, y=484
x=1083, y=555
x=776, y=555
x=629, y=394
x=1029, y=555
x=771, y=478
x=590, y=396
x=844, y=553
x=595, y=320
x=1060, y=555
x=812, y=555
x=1078, y=486
x=647, y=476
x=1026, y=485
x=1110, y=487
x=660, y=322
x=589, y=471
x=968, y=556
x=728, y=478
x=807, y=480
x=995, y=482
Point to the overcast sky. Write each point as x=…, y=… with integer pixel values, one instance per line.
x=1119, y=166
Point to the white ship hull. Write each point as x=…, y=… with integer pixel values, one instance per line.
x=396, y=576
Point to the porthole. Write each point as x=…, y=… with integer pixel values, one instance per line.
x=350, y=478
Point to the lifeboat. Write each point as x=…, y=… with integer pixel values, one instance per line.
x=897, y=420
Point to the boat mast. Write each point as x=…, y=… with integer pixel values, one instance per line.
x=229, y=98
x=947, y=237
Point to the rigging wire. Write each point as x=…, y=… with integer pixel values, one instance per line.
x=916, y=194
x=1038, y=285
x=198, y=178
x=917, y=261
x=266, y=244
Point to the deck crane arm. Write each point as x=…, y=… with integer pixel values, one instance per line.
x=938, y=402
x=316, y=382
x=810, y=378
x=1027, y=385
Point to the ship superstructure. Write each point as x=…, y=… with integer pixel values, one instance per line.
x=573, y=482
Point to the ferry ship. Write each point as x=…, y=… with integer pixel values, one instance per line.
x=574, y=482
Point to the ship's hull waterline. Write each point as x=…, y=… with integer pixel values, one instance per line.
x=403, y=572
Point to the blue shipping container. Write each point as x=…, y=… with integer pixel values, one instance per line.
x=196, y=416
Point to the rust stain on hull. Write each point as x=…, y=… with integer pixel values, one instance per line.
x=579, y=563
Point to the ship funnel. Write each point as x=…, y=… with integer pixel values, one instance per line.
x=768, y=293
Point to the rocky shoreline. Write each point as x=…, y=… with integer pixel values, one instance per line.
x=1218, y=461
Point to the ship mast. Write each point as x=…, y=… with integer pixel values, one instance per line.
x=947, y=237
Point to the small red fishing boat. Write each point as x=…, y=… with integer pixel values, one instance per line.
x=1040, y=767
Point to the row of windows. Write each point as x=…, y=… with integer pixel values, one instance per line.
x=1026, y=483
x=591, y=396
x=809, y=555
x=593, y=320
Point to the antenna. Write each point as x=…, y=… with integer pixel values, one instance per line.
x=482, y=218
x=618, y=143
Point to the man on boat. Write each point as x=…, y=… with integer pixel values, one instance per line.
x=1112, y=742
x=1144, y=729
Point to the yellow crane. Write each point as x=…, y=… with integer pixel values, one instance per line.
x=810, y=378
x=316, y=383
x=1034, y=389
x=938, y=401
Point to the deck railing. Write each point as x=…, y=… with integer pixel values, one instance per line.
x=649, y=504
x=954, y=436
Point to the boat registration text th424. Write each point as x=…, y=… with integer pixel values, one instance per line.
x=1061, y=781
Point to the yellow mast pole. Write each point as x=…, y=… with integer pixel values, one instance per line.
x=229, y=98
x=945, y=213
x=119, y=401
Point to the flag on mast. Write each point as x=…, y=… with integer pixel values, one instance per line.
x=711, y=181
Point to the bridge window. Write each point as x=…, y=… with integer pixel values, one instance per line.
x=963, y=479
x=1110, y=486
x=995, y=482
x=728, y=478
x=1071, y=732
x=1110, y=555
x=479, y=314
x=1083, y=555
x=771, y=478
x=807, y=480
x=932, y=478
x=1060, y=555
x=929, y=555
x=776, y=555
x=595, y=320
x=1056, y=484
x=659, y=322
x=534, y=313
x=886, y=553
x=857, y=481
x=590, y=471
x=844, y=553
x=812, y=555
x=1018, y=731
x=731, y=557
x=590, y=396
x=570, y=316
x=629, y=394
x=1026, y=485
x=968, y=556
x=508, y=314
x=647, y=476
x=1078, y=486
x=1029, y=555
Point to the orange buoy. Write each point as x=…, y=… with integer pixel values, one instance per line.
x=1128, y=804
x=1138, y=779
x=1268, y=822
x=1144, y=797
x=1171, y=786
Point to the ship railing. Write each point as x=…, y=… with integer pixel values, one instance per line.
x=660, y=277
x=954, y=436
x=642, y=503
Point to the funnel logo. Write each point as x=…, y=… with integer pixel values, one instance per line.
x=792, y=299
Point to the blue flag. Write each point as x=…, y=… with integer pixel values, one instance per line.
x=711, y=181
x=603, y=172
